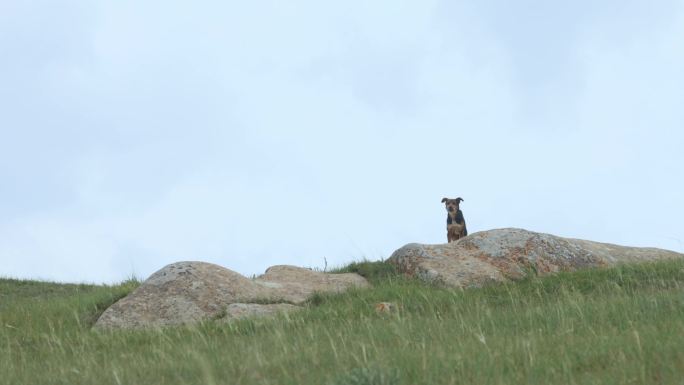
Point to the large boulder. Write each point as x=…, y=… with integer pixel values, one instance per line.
x=248, y=310
x=505, y=254
x=296, y=285
x=186, y=292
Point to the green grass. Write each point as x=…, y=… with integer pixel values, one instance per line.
x=623, y=325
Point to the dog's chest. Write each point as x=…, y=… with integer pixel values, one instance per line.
x=458, y=220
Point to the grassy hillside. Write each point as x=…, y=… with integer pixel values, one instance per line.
x=616, y=326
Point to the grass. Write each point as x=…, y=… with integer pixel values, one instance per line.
x=623, y=325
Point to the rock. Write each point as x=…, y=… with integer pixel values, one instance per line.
x=386, y=307
x=187, y=292
x=248, y=310
x=296, y=284
x=179, y=293
x=505, y=254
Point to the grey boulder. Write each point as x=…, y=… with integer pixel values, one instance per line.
x=188, y=292
x=256, y=310
x=505, y=254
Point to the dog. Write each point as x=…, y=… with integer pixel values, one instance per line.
x=456, y=226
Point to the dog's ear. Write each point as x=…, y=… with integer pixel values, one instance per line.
x=444, y=199
x=459, y=200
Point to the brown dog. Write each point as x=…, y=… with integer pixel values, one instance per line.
x=456, y=226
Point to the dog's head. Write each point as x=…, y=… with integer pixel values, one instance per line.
x=452, y=205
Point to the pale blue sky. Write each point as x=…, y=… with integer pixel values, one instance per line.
x=257, y=133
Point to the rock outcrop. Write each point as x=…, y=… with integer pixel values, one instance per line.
x=187, y=292
x=505, y=254
x=249, y=310
x=296, y=285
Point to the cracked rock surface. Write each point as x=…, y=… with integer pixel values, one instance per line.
x=506, y=254
x=187, y=292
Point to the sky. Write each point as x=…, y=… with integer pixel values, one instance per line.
x=249, y=134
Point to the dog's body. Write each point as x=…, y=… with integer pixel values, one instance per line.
x=456, y=226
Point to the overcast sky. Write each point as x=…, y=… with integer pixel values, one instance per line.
x=253, y=133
